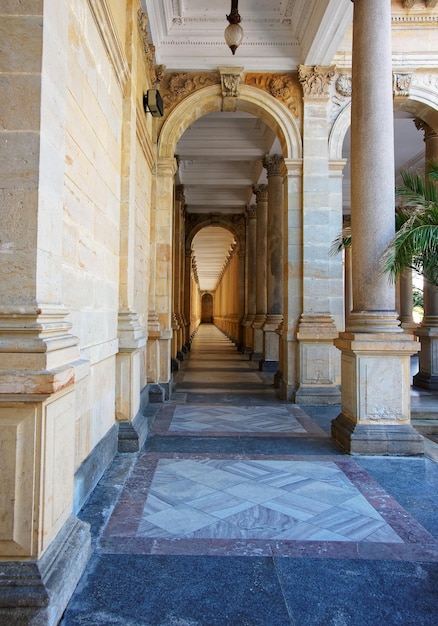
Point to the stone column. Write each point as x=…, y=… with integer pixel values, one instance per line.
x=177, y=355
x=406, y=302
x=427, y=377
x=274, y=164
x=188, y=296
x=293, y=301
x=250, y=282
x=241, y=254
x=261, y=193
x=322, y=273
x=375, y=416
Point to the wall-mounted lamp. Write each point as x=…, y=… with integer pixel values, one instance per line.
x=153, y=103
x=234, y=31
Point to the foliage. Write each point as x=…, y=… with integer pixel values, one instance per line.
x=415, y=243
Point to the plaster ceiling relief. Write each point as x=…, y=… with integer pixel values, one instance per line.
x=278, y=34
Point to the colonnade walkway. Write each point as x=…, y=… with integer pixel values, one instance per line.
x=240, y=511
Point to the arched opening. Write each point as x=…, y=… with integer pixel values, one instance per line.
x=219, y=160
x=207, y=309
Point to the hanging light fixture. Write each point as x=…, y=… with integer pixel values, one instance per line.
x=234, y=31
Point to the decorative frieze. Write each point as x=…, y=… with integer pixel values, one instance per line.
x=283, y=87
x=429, y=4
x=316, y=80
x=176, y=86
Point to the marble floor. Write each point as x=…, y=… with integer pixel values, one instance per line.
x=240, y=510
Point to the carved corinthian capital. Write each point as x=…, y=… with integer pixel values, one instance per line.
x=316, y=80
x=424, y=126
x=272, y=164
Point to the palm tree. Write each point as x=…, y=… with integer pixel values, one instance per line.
x=415, y=243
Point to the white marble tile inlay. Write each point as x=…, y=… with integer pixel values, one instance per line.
x=246, y=499
x=234, y=419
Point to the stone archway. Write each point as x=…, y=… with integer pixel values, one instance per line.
x=207, y=308
x=196, y=105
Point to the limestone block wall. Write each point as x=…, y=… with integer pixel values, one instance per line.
x=91, y=222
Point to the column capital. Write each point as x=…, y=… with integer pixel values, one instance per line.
x=251, y=211
x=424, y=126
x=272, y=164
x=315, y=80
x=261, y=192
x=179, y=193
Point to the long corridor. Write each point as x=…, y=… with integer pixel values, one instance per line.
x=240, y=511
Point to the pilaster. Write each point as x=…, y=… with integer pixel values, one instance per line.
x=322, y=273
x=250, y=278
x=261, y=194
x=274, y=164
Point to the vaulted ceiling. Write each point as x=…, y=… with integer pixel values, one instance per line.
x=220, y=154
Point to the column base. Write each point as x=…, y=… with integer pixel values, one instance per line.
x=256, y=357
x=268, y=366
x=156, y=394
x=314, y=394
x=36, y=593
x=426, y=381
x=377, y=440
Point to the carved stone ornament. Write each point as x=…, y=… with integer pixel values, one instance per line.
x=316, y=80
x=424, y=126
x=178, y=85
x=283, y=87
x=261, y=192
x=401, y=84
x=408, y=4
x=230, y=81
x=148, y=48
x=272, y=164
x=344, y=85
x=251, y=211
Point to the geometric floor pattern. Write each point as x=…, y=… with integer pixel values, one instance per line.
x=242, y=419
x=294, y=500
x=241, y=511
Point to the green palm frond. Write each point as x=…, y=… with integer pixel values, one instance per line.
x=415, y=243
x=342, y=241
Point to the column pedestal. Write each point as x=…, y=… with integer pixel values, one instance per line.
x=376, y=409
x=257, y=354
x=271, y=346
x=427, y=377
x=317, y=361
x=249, y=334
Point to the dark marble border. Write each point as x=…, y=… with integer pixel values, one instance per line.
x=120, y=537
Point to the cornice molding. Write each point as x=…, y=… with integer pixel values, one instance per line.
x=103, y=18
